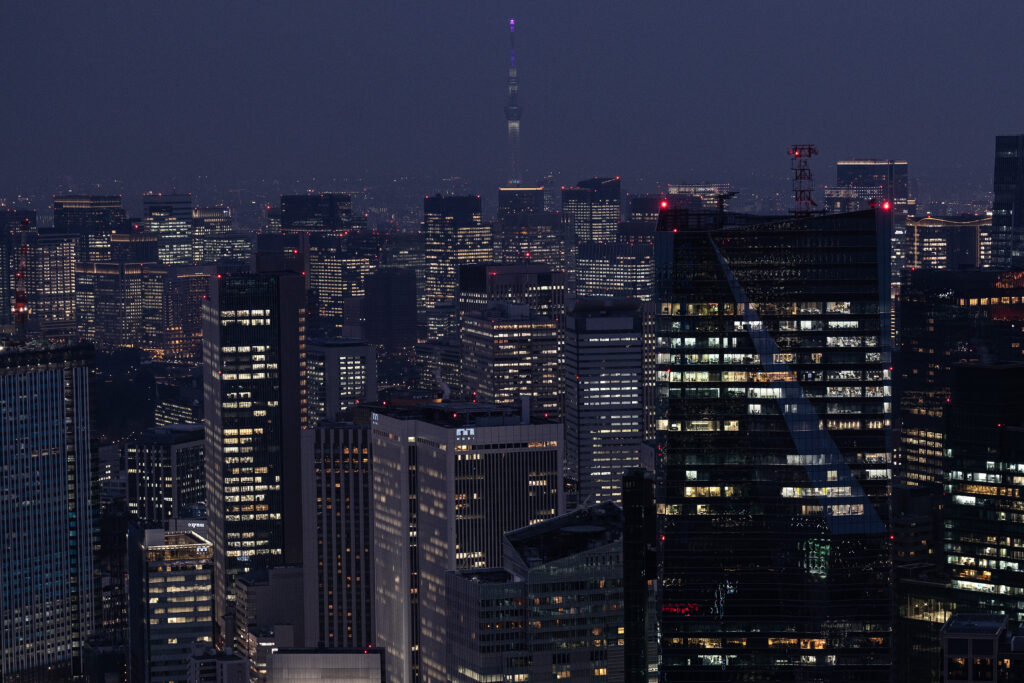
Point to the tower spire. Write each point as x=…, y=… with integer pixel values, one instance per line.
x=512, y=112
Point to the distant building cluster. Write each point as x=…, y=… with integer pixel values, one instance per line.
x=585, y=436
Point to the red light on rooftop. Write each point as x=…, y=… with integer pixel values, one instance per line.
x=664, y=204
x=886, y=206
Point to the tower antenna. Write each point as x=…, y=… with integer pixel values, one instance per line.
x=512, y=112
x=803, y=184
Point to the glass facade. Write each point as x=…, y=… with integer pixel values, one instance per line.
x=773, y=380
x=253, y=362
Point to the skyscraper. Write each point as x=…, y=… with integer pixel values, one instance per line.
x=169, y=217
x=947, y=318
x=982, y=529
x=553, y=610
x=209, y=224
x=615, y=269
x=46, y=513
x=340, y=374
x=775, y=408
x=1008, y=203
x=604, y=402
x=92, y=219
x=254, y=398
x=170, y=603
x=453, y=235
x=953, y=243
x=512, y=111
x=166, y=474
x=338, y=529
x=448, y=480
x=88, y=214
x=509, y=351
x=863, y=183
x=50, y=284
x=593, y=207
x=338, y=268
x=316, y=212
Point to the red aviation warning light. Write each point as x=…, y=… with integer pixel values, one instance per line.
x=886, y=206
x=803, y=183
x=664, y=203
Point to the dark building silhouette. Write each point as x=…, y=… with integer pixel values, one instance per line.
x=324, y=212
x=1008, y=203
x=983, y=527
x=774, y=424
x=253, y=359
x=947, y=318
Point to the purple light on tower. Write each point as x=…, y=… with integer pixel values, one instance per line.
x=512, y=112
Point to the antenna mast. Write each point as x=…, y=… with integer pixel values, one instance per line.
x=803, y=184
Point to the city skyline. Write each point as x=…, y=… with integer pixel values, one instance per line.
x=209, y=92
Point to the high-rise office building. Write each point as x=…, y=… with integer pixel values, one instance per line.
x=338, y=529
x=270, y=613
x=510, y=352
x=170, y=606
x=338, y=268
x=340, y=374
x=208, y=224
x=166, y=473
x=448, y=480
x=88, y=214
x=774, y=427
x=640, y=576
x=390, y=305
x=1008, y=203
x=92, y=219
x=515, y=204
x=604, y=397
x=135, y=246
x=947, y=318
x=952, y=243
x=169, y=217
x=454, y=235
x=46, y=512
x=592, y=209
x=864, y=183
x=615, y=269
x=537, y=285
x=316, y=212
x=984, y=451
x=254, y=400
x=176, y=295
x=50, y=284
x=109, y=302
x=553, y=611
x=699, y=196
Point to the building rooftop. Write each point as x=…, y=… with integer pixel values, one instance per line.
x=975, y=624
x=487, y=575
x=454, y=414
x=568, y=534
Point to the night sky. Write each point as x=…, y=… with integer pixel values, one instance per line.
x=675, y=91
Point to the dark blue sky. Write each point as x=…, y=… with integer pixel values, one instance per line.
x=674, y=90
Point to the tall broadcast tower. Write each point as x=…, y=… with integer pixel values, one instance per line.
x=512, y=112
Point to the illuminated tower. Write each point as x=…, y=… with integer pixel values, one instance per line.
x=512, y=112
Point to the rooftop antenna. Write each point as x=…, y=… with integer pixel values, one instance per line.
x=803, y=184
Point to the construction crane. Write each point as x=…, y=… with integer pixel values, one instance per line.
x=803, y=183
